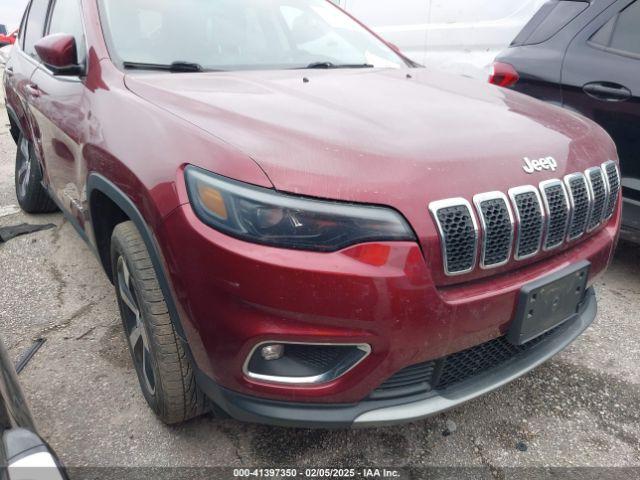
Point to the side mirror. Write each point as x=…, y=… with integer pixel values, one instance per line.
x=60, y=54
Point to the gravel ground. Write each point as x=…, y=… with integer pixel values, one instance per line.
x=580, y=409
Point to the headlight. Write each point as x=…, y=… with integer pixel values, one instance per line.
x=261, y=215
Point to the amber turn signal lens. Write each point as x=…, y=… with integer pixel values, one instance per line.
x=213, y=200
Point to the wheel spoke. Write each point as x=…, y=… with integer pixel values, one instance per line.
x=125, y=274
x=24, y=169
x=124, y=286
x=24, y=148
x=24, y=172
x=27, y=174
x=135, y=336
x=127, y=298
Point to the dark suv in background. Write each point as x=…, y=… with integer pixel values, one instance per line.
x=585, y=56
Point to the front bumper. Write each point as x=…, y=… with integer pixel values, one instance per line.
x=233, y=295
x=373, y=413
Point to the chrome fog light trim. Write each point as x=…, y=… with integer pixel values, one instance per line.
x=359, y=352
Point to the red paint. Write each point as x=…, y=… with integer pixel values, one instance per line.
x=58, y=50
x=503, y=75
x=369, y=136
x=9, y=39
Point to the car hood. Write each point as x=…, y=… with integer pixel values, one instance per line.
x=380, y=136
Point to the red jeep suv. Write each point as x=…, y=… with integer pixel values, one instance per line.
x=303, y=227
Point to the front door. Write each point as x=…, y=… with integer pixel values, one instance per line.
x=60, y=110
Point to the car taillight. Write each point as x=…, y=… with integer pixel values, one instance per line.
x=503, y=75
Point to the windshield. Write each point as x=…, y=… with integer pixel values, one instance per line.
x=241, y=34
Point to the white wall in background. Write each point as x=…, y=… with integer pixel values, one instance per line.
x=459, y=36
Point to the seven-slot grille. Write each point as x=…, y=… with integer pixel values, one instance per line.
x=529, y=220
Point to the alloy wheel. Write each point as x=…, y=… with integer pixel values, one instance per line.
x=134, y=325
x=24, y=168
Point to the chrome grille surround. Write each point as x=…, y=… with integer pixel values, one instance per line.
x=525, y=222
x=531, y=233
x=599, y=195
x=497, y=232
x=556, y=204
x=449, y=245
x=613, y=181
x=581, y=205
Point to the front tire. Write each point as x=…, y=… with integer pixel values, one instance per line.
x=164, y=371
x=32, y=196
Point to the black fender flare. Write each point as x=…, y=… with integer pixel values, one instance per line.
x=98, y=183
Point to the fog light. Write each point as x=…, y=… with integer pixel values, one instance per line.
x=302, y=363
x=272, y=352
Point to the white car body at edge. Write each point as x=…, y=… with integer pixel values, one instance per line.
x=458, y=36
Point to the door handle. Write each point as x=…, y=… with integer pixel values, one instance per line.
x=607, y=91
x=9, y=71
x=33, y=90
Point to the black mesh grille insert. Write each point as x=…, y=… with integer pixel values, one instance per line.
x=411, y=380
x=530, y=226
x=464, y=365
x=449, y=371
x=315, y=356
x=558, y=211
x=614, y=186
x=565, y=211
x=498, y=231
x=459, y=237
x=599, y=197
x=579, y=192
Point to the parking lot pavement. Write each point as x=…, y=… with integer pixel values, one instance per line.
x=580, y=409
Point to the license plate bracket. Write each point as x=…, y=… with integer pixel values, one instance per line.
x=549, y=302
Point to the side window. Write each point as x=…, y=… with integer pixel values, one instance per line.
x=23, y=28
x=626, y=36
x=35, y=25
x=66, y=17
x=621, y=33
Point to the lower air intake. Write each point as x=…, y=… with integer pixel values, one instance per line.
x=450, y=371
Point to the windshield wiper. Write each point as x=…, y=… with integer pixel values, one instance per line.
x=176, y=67
x=334, y=65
